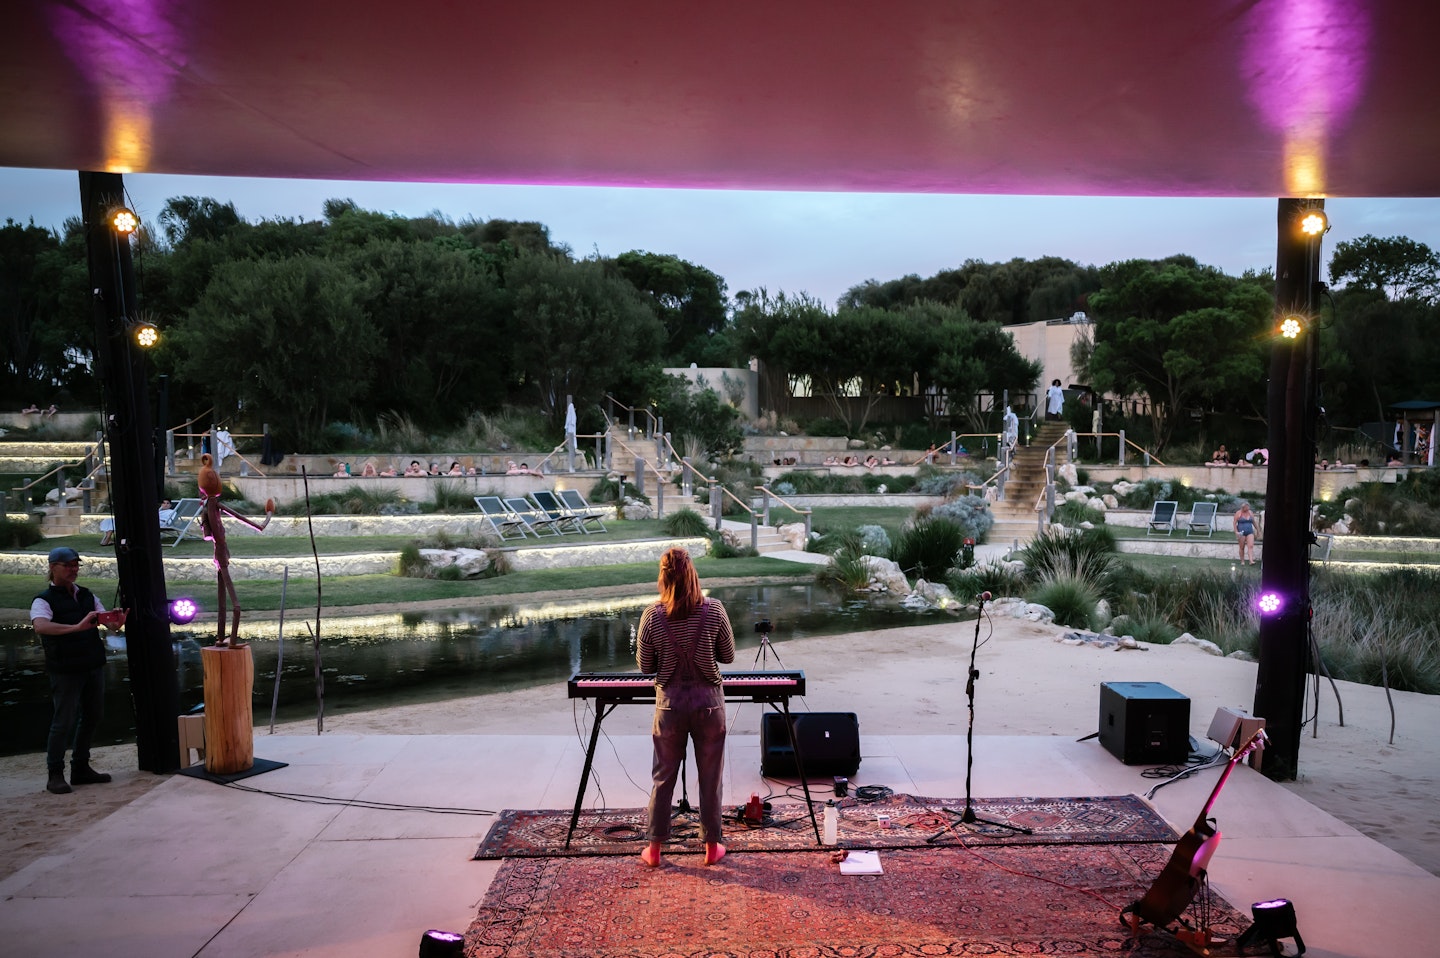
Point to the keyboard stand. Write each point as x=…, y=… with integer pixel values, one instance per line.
x=604, y=706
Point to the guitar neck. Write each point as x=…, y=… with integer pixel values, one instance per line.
x=1240, y=753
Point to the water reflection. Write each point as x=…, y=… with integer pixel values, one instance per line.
x=375, y=660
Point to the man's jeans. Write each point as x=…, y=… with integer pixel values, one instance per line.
x=79, y=701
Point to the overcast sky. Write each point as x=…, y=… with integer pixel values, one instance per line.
x=818, y=243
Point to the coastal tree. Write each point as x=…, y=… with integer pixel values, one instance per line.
x=1180, y=334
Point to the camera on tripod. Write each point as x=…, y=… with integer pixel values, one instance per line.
x=764, y=627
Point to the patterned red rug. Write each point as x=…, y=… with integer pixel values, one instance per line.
x=913, y=822
x=1020, y=900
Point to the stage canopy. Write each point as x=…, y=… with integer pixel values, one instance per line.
x=1125, y=97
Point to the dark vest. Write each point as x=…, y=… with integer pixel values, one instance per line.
x=76, y=651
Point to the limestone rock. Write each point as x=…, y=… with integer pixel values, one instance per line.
x=1202, y=644
x=1110, y=501
x=794, y=535
x=885, y=576
x=1069, y=473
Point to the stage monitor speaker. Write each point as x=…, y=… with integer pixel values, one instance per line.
x=829, y=744
x=1144, y=723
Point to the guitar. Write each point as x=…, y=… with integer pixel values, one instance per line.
x=1178, y=883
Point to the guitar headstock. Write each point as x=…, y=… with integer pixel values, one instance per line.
x=1258, y=740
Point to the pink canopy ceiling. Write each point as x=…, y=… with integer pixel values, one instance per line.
x=1110, y=97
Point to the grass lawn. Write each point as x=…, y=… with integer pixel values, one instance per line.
x=259, y=595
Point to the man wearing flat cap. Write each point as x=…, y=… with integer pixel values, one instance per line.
x=67, y=618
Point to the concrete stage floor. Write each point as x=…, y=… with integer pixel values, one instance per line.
x=196, y=869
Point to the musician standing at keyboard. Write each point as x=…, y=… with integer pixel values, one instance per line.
x=683, y=638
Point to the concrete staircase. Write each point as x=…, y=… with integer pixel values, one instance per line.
x=1015, y=516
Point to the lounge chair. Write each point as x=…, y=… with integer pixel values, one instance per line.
x=1201, y=521
x=1320, y=548
x=499, y=517
x=581, y=509
x=550, y=504
x=183, y=521
x=535, y=521
x=1162, y=518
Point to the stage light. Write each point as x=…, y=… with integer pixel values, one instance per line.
x=123, y=221
x=1274, y=919
x=441, y=944
x=1292, y=327
x=1314, y=223
x=147, y=335
x=1269, y=603
x=183, y=611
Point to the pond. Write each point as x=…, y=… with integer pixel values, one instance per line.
x=373, y=661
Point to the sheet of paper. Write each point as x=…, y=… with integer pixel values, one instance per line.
x=861, y=863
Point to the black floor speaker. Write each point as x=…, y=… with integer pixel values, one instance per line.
x=829, y=744
x=1144, y=723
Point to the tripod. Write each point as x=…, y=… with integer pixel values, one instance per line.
x=762, y=654
x=968, y=816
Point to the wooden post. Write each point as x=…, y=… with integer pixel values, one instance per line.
x=229, y=727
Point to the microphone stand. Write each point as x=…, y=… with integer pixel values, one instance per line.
x=968, y=816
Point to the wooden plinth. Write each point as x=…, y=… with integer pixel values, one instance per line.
x=229, y=725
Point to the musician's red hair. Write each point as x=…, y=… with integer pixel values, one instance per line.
x=679, y=584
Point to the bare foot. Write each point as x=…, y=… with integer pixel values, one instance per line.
x=651, y=855
x=714, y=851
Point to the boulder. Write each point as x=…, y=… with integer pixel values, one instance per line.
x=636, y=509
x=794, y=535
x=885, y=576
x=1069, y=473
x=1203, y=645
x=1110, y=501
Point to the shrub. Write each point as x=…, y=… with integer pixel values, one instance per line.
x=412, y=564
x=1056, y=553
x=451, y=497
x=1071, y=595
x=846, y=572
x=874, y=540
x=18, y=534
x=686, y=523
x=970, y=513
x=928, y=547
x=357, y=500
x=826, y=427
x=998, y=578
x=1073, y=513
x=724, y=550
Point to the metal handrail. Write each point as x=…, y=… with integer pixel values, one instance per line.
x=652, y=422
x=766, y=492
x=18, y=491
x=1145, y=454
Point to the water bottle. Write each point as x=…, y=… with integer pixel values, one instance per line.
x=831, y=827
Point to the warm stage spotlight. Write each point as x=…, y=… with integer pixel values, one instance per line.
x=123, y=221
x=1292, y=327
x=147, y=336
x=1314, y=223
x=183, y=611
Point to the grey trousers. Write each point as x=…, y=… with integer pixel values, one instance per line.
x=673, y=728
x=79, y=701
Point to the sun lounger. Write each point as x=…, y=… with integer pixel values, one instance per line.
x=1162, y=518
x=565, y=521
x=1201, y=521
x=580, y=509
x=499, y=517
x=536, y=522
x=183, y=521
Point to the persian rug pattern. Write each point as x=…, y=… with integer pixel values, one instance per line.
x=1011, y=900
x=908, y=822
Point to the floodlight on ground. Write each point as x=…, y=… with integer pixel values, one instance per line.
x=123, y=220
x=441, y=944
x=147, y=335
x=1270, y=603
x=1292, y=327
x=183, y=611
x=1274, y=919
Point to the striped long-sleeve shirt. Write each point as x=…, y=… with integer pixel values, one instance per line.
x=706, y=633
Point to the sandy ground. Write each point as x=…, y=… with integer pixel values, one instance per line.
x=906, y=681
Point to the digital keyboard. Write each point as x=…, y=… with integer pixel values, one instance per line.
x=640, y=687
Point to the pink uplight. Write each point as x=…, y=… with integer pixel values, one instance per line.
x=1269, y=603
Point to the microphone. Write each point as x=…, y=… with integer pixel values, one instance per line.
x=983, y=597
